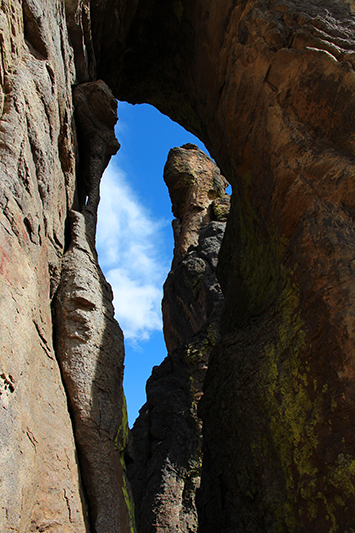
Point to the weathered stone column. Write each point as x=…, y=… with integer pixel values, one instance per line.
x=89, y=342
x=166, y=439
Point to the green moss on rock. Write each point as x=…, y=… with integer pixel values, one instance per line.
x=178, y=9
x=121, y=443
x=129, y=503
x=294, y=401
x=202, y=347
x=293, y=414
x=121, y=439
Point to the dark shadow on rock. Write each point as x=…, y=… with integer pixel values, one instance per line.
x=166, y=440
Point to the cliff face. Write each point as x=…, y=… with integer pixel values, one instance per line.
x=269, y=87
x=51, y=165
x=40, y=480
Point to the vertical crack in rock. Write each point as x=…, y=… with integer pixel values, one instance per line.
x=79, y=29
x=89, y=342
x=166, y=438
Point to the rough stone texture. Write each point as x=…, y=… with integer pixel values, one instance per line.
x=39, y=482
x=269, y=87
x=79, y=29
x=96, y=116
x=193, y=180
x=89, y=342
x=89, y=347
x=44, y=173
x=192, y=295
x=166, y=441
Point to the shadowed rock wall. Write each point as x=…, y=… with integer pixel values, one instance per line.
x=166, y=440
x=269, y=87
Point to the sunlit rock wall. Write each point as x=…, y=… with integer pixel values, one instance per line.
x=39, y=474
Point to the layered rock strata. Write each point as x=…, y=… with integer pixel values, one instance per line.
x=166, y=439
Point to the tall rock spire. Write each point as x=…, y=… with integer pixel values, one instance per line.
x=166, y=439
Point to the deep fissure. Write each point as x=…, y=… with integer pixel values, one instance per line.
x=142, y=181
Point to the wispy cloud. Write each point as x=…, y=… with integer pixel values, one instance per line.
x=131, y=256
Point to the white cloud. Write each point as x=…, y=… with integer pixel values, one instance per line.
x=137, y=304
x=128, y=240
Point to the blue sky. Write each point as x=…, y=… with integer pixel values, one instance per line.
x=135, y=240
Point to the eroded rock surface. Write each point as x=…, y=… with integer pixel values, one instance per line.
x=89, y=342
x=192, y=295
x=44, y=174
x=79, y=29
x=166, y=439
x=89, y=347
x=39, y=482
x=268, y=86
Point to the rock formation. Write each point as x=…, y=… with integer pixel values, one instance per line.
x=39, y=475
x=268, y=86
x=89, y=342
x=50, y=174
x=192, y=296
x=166, y=439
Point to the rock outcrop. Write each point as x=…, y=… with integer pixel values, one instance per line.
x=268, y=86
x=166, y=439
x=39, y=483
x=192, y=295
x=89, y=342
x=269, y=89
x=50, y=168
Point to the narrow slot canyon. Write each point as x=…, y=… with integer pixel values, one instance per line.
x=248, y=424
x=116, y=464
x=166, y=437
